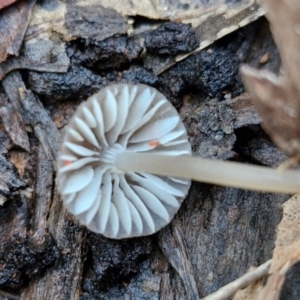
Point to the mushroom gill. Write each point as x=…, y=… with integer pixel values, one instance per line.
x=117, y=151
x=106, y=199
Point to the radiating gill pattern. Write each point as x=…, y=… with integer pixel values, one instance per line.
x=104, y=198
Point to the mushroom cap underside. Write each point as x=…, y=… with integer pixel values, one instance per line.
x=118, y=204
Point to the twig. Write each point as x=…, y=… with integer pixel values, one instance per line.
x=232, y=287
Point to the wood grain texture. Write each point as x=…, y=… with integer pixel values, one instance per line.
x=13, y=25
x=64, y=280
x=12, y=122
x=29, y=106
x=49, y=222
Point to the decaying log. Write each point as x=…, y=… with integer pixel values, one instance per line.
x=13, y=125
x=31, y=109
x=63, y=280
x=13, y=25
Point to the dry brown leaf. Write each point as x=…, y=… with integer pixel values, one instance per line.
x=286, y=254
x=252, y=280
x=277, y=97
x=287, y=248
x=287, y=245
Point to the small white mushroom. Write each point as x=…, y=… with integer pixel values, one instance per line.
x=116, y=139
x=108, y=200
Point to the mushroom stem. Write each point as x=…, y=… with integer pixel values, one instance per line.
x=223, y=173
